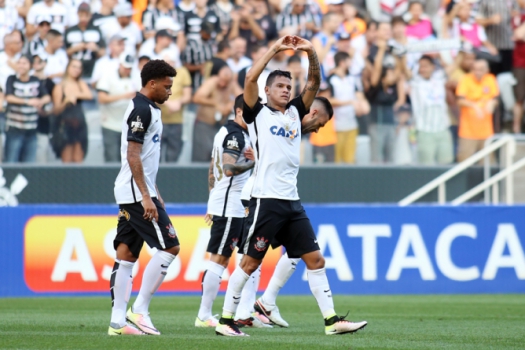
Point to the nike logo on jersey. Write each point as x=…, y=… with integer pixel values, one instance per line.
x=315, y=241
x=280, y=131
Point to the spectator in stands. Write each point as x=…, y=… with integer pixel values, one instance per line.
x=299, y=18
x=324, y=140
x=9, y=22
x=419, y=26
x=56, y=56
x=84, y=42
x=495, y=16
x=55, y=9
x=348, y=101
x=245, y=26
x=477, y=94
x=265, y=20
x=135, y=72
x=298, y=73
x=184, y=7
x=379, y=54
x=128, y=29
x=115, y=89
x=257, y=53
x=110, y=61
x=105, y=20
x=429, y=108
x=43, y=151
x=175, y=48
x=238, y=59
x=324, y=41
x=215, y=99
x=162, y=8
x=400, y=38
x=38, y=43
x=224, y=9
x=335, y=6
x=172, y=118
x=279, y=60
x=69, y=130
x=519, y=67
x=13, y=44
x=194, y=19
x=218, y=61
x=25, y=95
x=197, y=53
x=344, y=44
x=352, y=24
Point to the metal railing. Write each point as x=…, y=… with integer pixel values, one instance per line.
x=499, y=141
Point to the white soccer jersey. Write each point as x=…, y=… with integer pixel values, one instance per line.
x=225, y=197
x=277, y=140
x=142, y=124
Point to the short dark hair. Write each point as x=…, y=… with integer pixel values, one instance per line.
x=427, y=58
x=29, y=58
x=239, y=102
x=294, y=59
x=54, y=33
x=326, y=105
x=256, y=47
x=340, y=57
x=277, y=73
x=156, y=69
x=144, y=57
x=327, y=16
x=370, y=23
x=414, y=2
x=397, y=20
x=223, y=45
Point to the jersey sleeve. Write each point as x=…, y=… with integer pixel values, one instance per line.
x=138, y=122
x=42, y=91
x=104, y=83
x=233, y=143
x=249, y=114
x=9, y=85
x=299, y=104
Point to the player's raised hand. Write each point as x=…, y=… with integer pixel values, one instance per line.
x=302, y=44
x=150, y=210
x=283, y=44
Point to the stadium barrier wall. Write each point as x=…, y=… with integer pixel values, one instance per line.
x=64, y=250
x=189, y=184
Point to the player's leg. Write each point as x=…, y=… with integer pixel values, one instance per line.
x=266, y=304
x=160, y=235
x=224, y=235
x=263, y=221
x=300, y=241
x=127, y=245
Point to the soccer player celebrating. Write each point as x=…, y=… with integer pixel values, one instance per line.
x=142, y=216
x=232, y=157
x=275, y=209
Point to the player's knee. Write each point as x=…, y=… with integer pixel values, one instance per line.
x=125, y=254
x=173, y=250
x=220, y=259
x=249, y=265
x=314, y=261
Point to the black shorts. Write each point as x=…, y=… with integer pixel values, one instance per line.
x=278, y=222
x=225, y=235
x=133, y=229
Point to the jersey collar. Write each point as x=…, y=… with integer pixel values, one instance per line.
x=148, y=100
x=235, y=125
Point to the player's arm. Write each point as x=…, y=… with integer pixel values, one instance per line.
x=314, y=71
x=138, y=123
x=231, y=167
x=211, y=176
x=251, y=89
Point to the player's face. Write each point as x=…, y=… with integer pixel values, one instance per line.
x=313, y=121
x=162, y=89
x=279, y=92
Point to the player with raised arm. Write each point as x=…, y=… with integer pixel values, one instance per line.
x=275, y=209
x=142, y=216
x=232, y=158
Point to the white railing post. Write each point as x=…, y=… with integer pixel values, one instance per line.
x=495, y=193
x=442, y=193
x=509, y=180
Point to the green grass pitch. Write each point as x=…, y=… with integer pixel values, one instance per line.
x=395, y=322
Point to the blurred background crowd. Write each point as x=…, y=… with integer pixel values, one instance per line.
x=412, y=82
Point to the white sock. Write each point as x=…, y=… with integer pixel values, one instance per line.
x=231, y=300
x=211, y=282
x=152, y=279
x=120, y=287
x=321, y=290
x=283, y=271
x=248, y=295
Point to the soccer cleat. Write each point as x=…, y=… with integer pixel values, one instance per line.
x=128, y=329
x=142, y=322
x=262, y=318
x=252, y=322
x=211, y=322
x=272, y=312
x=228, y=328
x=338, y=325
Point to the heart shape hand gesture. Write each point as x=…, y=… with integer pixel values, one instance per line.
x=292, y=42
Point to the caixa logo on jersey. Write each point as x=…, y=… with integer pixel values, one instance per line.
x=155, y=138
x=284, y=132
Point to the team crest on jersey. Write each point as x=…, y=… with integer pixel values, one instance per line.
x=246, y=211
x=137, y=126
x=233, y=144
x=261, y=244
x=235, y=241
x=280, y=131
x=123, y=214
x=171, y=231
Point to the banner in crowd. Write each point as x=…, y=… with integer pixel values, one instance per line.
x=50, y=250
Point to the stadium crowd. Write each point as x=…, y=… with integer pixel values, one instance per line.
x=420, y=82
